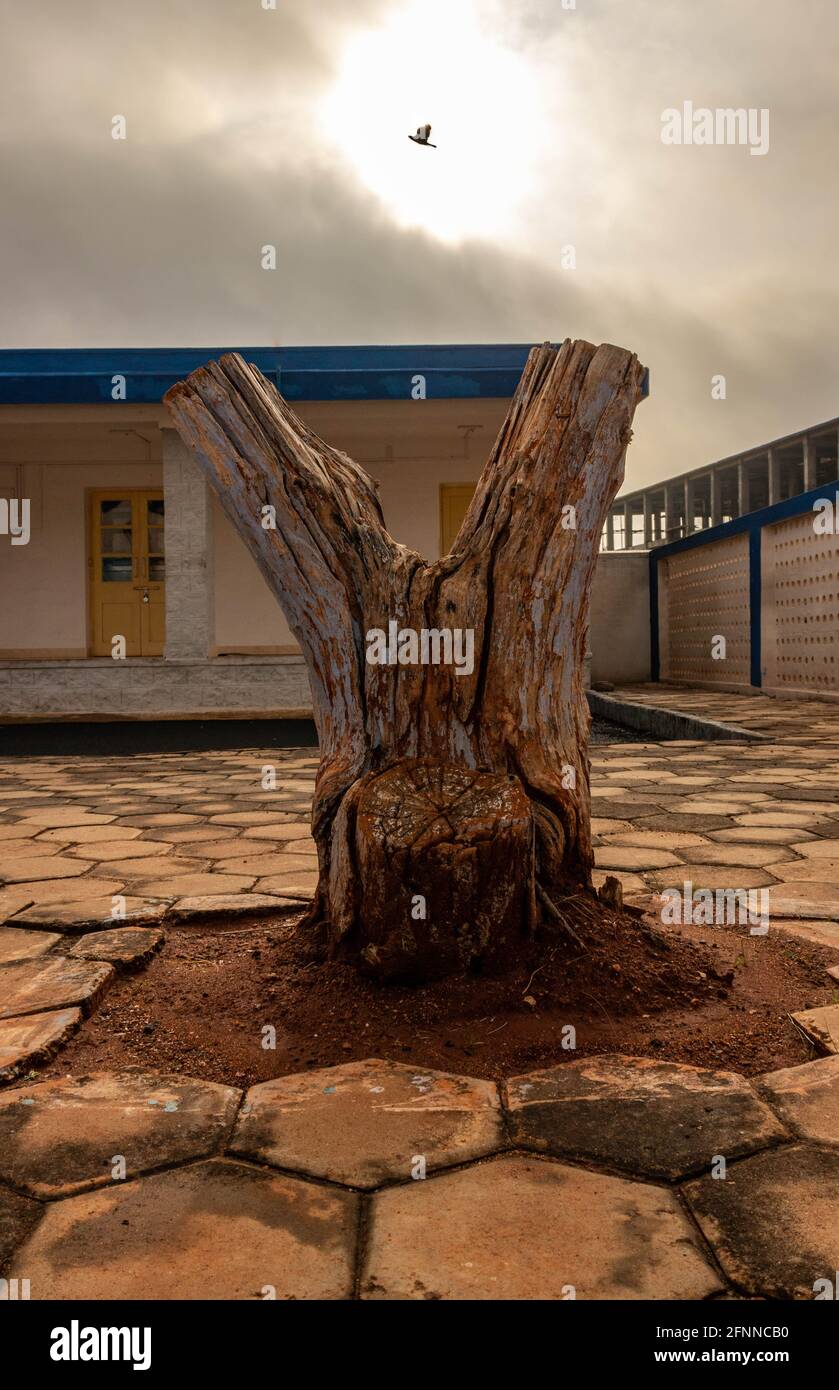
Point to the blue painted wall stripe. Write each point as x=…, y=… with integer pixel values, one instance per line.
x=755, y=639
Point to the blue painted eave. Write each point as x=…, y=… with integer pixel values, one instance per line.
x=84, y=376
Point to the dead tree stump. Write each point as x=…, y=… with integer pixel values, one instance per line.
x=444, y=867
x=448, y=697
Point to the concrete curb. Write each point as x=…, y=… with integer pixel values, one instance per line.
x=664, y=724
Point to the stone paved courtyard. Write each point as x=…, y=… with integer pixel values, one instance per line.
x=374, y=1180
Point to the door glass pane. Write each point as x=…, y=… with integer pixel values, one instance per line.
x=116, y=542
x=157, y=571
x=115, y=571
x=155, y=540
x=156, y=509
x=116, y=512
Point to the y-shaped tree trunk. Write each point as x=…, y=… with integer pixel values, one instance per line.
x=450, y=804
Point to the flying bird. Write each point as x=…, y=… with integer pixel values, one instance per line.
x=421, y=137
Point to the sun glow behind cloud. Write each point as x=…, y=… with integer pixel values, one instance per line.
x=434, y=61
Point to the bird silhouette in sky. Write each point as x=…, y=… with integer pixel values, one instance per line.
x=421, y=137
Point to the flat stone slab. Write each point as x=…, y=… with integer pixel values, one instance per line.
x=815, y=900
x=367, y=1122
x=52, y=983
x=807, y=1098
x=216, y=1231
x=821, y=1026
x=18, y=1216
x=24, y=1042
x=126, y=948
x=657, y=1119
x=91, y=914
x=47, y=866
x=231, y=905
x=60, y=1136
x=193, y=885
x=820, y=933
x=774, y=1221
x=17, y=944
x=523, y=1228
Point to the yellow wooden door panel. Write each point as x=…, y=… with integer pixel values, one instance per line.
x=127, y=571
x=454, y=502
x=119, y=620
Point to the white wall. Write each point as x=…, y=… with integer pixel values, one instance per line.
x=619, y=628
x=43, y=585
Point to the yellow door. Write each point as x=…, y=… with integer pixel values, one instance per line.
x=127, y=571
x=454, y=501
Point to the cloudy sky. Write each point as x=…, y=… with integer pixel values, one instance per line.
x=249, y=126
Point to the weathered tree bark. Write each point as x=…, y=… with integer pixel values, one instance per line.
x=424, y=865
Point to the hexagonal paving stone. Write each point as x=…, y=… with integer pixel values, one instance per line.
x=711, y=876
x=60, y=1136
x=18, y=1215
x=61, y=890
x=91, y=914
x=63, y=816
x=25, y=1041
x=29, y=849
x=284, y=830
x=807, y=1098
x=626, y=857
x=774, y=1221
x=49, y=866
x=816, y=900
x=231, y=905
x=660, y=1119
x=193, y=885
x=364, y=1123
x=126, y=948
x=296, y=885
x=821, y=1026
x=119, y=849
x=820, y=933
x=216, y=1230
x=264, y=864
x=51, y=983
x=524, y=1228
x=16, y=944
x=88, y=834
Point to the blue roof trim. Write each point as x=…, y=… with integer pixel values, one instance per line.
x=83, y=376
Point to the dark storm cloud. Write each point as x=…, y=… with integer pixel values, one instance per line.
x=703, y=261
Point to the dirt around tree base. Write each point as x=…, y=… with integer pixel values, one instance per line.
x=709, y=996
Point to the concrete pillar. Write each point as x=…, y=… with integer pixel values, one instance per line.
x=715, y=489
x=809, y=455
x=627, y=526
x=742, y=489
x=773, y=472
x=610, y=531
x=189, y=567
x=669, y=515
x=688, y=507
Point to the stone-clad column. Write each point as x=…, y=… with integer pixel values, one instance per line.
x=742, y=488
x=773, y=476
x=627, y=526
x=189, y=567
x=715, y=496
x=809, y=461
